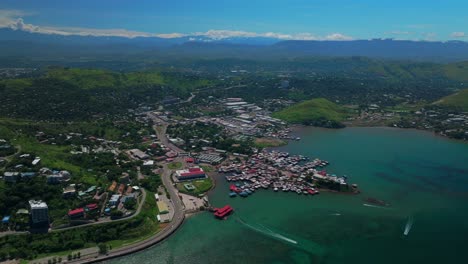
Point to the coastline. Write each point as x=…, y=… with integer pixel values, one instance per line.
x=297, y=127
x=148, y=243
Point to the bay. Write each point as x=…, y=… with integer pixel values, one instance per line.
x=423, y=177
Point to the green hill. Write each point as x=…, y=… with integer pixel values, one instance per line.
x=317, y=112
x=457, y=71
x=458, y=100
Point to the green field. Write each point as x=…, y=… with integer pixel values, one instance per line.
x=458, y=100
x=313, y=112
x=175, y=165
x=201, y=186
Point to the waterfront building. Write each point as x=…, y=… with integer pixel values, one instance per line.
x=190, y=174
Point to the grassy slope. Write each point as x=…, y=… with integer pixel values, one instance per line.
x=458, y=99
x=52, y=156
x=97, y=78
x=312, y=110
x=92, y=78
x=457, y=71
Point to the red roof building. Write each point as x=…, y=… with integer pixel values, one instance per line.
x=91, y=207
x=191, y=173
x=76, y=213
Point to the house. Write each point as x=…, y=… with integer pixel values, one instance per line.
x=113, y=186
x=128, y=197
x=69, y=191
x=121, y=188
x=6, y=220
x=58, y=177
x=162, y=206
x=114, y=200
x=91, y=207
x=9, y=176
x=138, y=154
x=76, y=213
x=28, y=175
x=36, y=161
x=171, y=154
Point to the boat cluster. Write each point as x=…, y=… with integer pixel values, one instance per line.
x=278, y=171
x=281, y=134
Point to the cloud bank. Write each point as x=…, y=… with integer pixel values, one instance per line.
x=13, y=19
x=458, y=35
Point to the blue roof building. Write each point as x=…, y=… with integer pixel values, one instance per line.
x=6, y=220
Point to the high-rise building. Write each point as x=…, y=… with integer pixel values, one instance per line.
x=39, y=212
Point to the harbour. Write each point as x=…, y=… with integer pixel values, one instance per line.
x=394, y=168
x=280, y=171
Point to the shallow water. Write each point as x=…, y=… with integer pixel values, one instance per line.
x=423, y=177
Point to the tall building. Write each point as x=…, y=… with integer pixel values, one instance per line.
x=39, y=212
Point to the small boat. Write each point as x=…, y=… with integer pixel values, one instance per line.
x=408, y=226
x=243, y=194
x=232, y=194
x=275, y=189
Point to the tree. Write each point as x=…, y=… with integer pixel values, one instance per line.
x=130, y=204
x=116, y=214
x=102, y=248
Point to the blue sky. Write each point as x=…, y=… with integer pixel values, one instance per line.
x=300, y=19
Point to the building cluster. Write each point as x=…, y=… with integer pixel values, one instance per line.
x=280, y=171
x=81, y=144
x=16, y=72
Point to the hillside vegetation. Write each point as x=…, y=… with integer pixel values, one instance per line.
x=70, y=94
x=317, y=112
x=457, y=71
x=456, y=100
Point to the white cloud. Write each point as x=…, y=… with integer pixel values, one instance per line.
x=398, y=32
x=13, y=19
x=458, y=35
x=338, y=36
x=429, y=36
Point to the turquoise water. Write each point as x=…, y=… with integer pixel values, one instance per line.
x=421, y=176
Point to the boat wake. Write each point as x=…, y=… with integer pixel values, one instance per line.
x=306, y=245
x=266, y=231
x=375, y=206
x=280, y=236
x=336, y=214
x=408, y=226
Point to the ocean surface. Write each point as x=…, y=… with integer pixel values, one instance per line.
x=423, y=177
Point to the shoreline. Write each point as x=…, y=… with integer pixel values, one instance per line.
x=296, y=127
x=152, y=241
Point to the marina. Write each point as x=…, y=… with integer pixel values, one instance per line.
x=280, y=171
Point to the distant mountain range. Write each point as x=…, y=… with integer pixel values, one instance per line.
x=15, y=43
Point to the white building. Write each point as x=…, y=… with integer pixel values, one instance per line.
x=39, y=212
